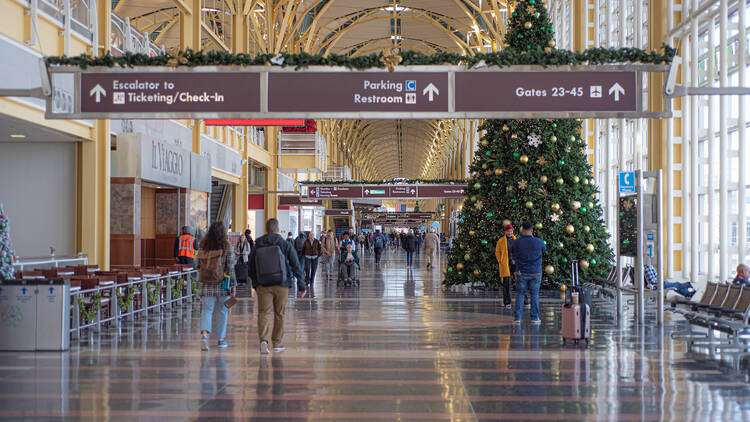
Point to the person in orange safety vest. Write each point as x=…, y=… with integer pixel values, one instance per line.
x=185, y=247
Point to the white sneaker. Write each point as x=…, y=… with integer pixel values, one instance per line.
x=279, y=349
x=264, y=348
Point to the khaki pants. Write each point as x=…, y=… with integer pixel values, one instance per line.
x=431, y=256
x=268, y=296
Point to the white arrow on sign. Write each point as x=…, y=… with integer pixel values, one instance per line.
x=618, y=90
x=367, y=191
x=430, y=89
x=98, y=90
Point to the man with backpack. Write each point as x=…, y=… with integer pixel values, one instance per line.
x=268, y=272
x=299, y=243
x=378, y=243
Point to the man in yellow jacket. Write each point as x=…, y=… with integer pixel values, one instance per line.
x=504, y=262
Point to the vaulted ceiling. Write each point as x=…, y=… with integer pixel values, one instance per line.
x=401, y=148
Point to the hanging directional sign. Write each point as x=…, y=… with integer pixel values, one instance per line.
x=122, y=94
x=386, y=191
x=335, y=191
x=357, y=92
x=546, y=91
x=402, y=191
x=441, y=191
x=409, y=92
x=339, y=213
x=375, y=191
x=396, y=216
x=289, y=200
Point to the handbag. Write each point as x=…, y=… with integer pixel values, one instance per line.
x=230, y=302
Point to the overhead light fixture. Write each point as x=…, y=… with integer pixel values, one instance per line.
x=17, y=135
x=396, y=38
x=397, y=8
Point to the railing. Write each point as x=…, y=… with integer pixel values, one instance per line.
x=45, y=263
x=334, y=173
x=305, y=144
x=126, y=38
x=123, y=300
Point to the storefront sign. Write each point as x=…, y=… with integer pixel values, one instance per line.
x=156, y=161
x=339, y=213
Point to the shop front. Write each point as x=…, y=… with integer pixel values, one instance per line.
x=157, y=187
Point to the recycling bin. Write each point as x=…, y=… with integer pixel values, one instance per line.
x=35, y=315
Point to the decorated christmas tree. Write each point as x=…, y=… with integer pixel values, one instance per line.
x=534, y=170
x=7, y=257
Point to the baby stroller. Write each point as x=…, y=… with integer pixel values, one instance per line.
x=342, y=277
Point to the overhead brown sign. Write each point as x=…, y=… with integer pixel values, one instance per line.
x=169, y=92
x=546, y=91
x=441, y=191
x=375, y=191
x=398, y=216
x=402, y=191
x=339, y=213
x=358, y=92
x=298, y=201
x=334, y=191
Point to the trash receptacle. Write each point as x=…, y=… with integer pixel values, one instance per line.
x=35, y=314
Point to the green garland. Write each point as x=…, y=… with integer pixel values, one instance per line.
x=389, y=182
x=89, y=311
x=177, y=287
x=153, y=293
x=505, y=58
x=125, y=299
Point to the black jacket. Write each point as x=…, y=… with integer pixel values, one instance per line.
x=299, y=243
x=410, y=243
x=289, y=253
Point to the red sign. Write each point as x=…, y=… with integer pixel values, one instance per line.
x=333, y=192
x=255, y=122
x=297, y=201
x=338, y=213
x=308, y=126
x=441, y=191
x=402, y=191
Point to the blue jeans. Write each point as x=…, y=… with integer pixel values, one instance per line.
x=681, y=288
x=301, y=259
x=531, y=283
x=214, y=305
x=409, y=258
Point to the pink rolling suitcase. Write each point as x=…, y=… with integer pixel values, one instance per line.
x=576, y=317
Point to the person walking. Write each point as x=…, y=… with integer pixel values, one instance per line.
x=410, y=245
x=378, y=243
x=419, y=237
x=185, y=246
x=217, y=283
x=267, y=270
x=505, y=263
x=328, y=249
x=299, y=243
x=311, y=250
x=242, y=251
x=431, y=248
x=526, y=252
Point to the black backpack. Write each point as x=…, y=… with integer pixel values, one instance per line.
x=270, y=265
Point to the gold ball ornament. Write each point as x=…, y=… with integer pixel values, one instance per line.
x=555, y=207
x=576, y=179
x=505, y=128
x=460, y=266
x=538, y=226
x=563, y=287
x=499, y=172
x=529, y=204
x=584, y=264
x=553, y=138
x=472, y=232
x=524, y=159
x=476, y=272
x=552, y=43
x=586, y=229
x=590, y=248
x=559, y=181
x=527, y=25
x=590, y=205
x=570, y=229
x=543, y=179
x=549, y=269
x=572, y=138
x=484, y=166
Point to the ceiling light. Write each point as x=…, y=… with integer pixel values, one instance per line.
x=398, y=9
x=17, y=136
x=396, y=38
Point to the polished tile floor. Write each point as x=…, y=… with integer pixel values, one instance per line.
x=397, y=348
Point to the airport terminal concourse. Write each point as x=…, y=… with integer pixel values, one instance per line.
x=374, y=210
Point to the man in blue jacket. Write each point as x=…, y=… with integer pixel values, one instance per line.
x=275, y=297
x=527, y=254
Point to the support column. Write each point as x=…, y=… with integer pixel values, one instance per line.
x=239, y=197
x=190, y=26
x=659, y=142
x=94, y=173
x=270, y=203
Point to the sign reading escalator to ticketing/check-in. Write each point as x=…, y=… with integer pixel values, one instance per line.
x=169, y=92
x=546, y=91
x=309, y=92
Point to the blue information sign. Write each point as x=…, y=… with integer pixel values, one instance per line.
x=627, y=182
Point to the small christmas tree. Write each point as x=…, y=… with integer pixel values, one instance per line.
x=7, y=257
x=533, y=170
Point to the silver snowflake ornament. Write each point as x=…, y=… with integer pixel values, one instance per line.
x=554, y=217
x=534, y=140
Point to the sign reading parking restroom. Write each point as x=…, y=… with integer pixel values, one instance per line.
x=546, y=91
x=169, y=92
x=358, y=92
